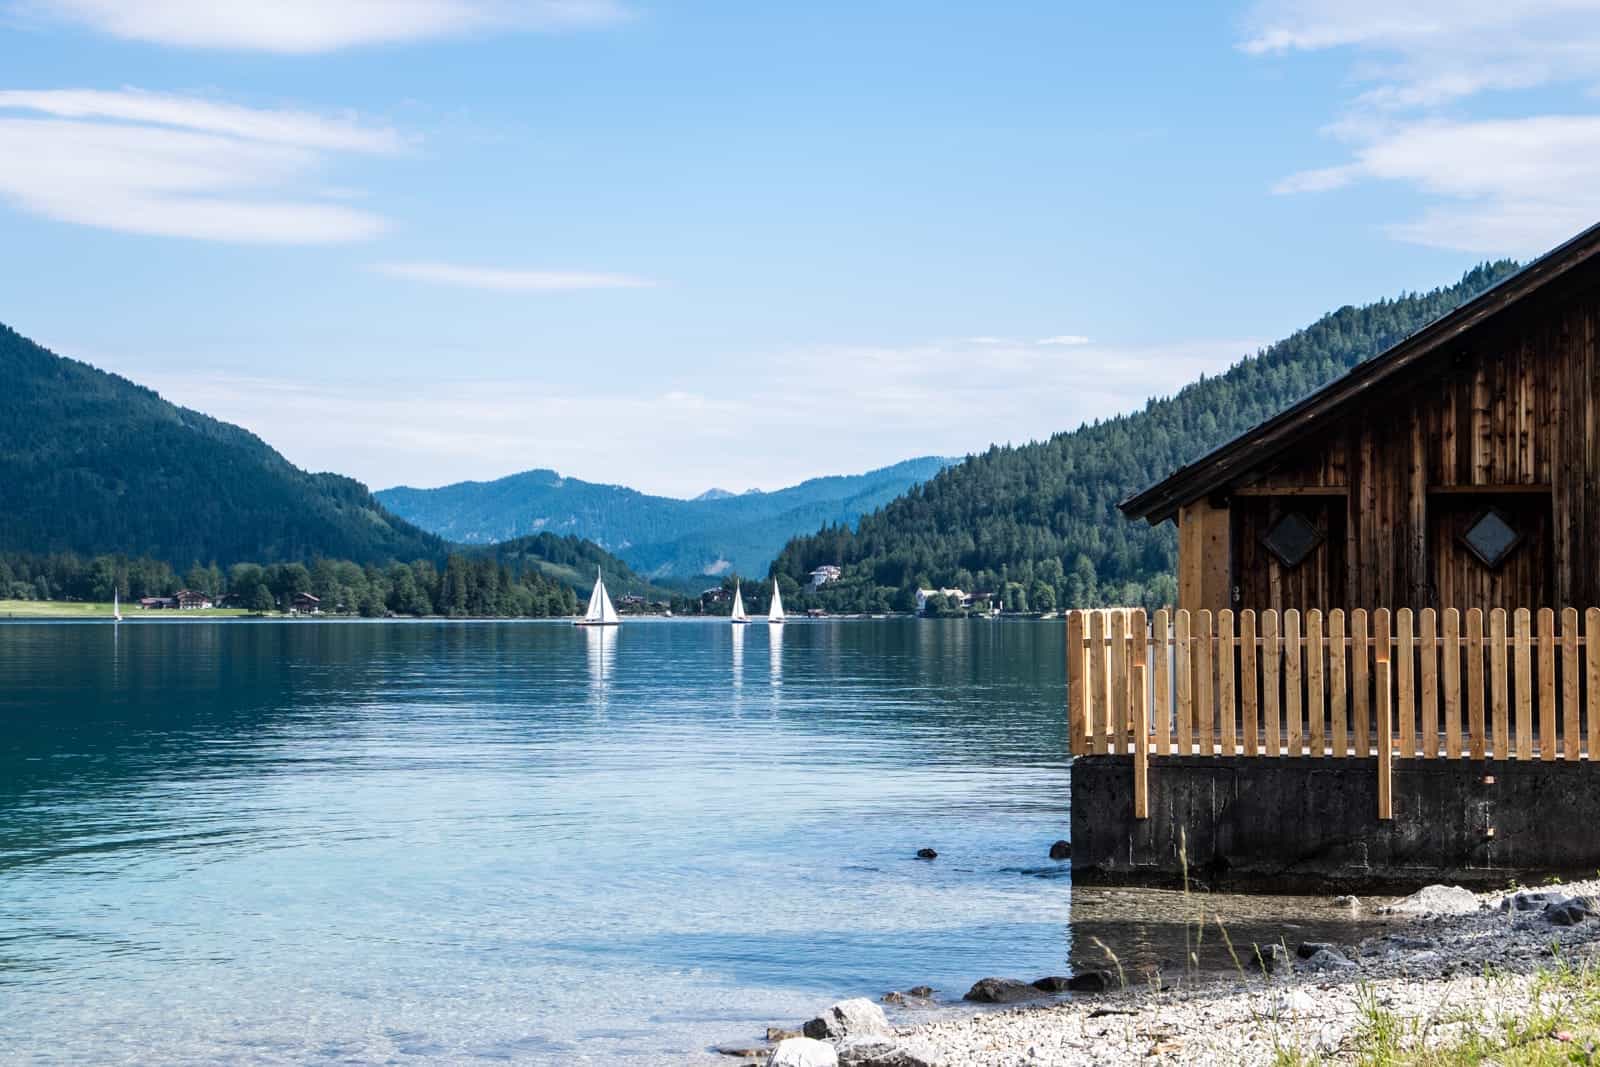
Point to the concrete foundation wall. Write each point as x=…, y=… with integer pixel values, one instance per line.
x=1312, y=824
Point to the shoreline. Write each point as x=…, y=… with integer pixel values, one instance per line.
x=1454, y=969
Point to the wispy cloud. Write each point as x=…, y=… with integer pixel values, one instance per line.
x=1063, y=339
x=853, y=406
x=1499, y=185
x=307, y=26
x=501, y=279
x=181, y=166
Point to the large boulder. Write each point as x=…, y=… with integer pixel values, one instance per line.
x=1569, y=911
x=1061, y=850
x=857, y=1017
x=803, y=1052
x=1001, y=991
x=1436, y=900
x=889, y=1052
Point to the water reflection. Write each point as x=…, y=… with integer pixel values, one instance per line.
x=738, y=658
x=601, y=643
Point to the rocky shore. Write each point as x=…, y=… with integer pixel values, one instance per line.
x=1452, y=967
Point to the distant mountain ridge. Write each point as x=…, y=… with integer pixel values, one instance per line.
x=663, y=538
x=91, y=463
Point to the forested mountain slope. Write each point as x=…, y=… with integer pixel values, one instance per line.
x=92, y=463
x=1039, y=522
x=661, y=537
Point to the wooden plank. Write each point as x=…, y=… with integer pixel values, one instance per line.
x=1428, y=672
x=1183, y=681
x=1360, y=657
x=1248, y=683
x=1338, y=693
x=1451, y=687
x=1204, y=672
x=1294, y=734
x=1315, y=713
x=1385, y=726
x=1547, y=684
x=1271, y=653
x=1120, y=719
x=1475, y=735
x=1382, y=648
x=1141, y=744
x=1077, y=722
x=1571, y=729
x=1498, y=488
x=1591, y=627
x=1161, y=711
x=1499, y=687
x=1138, y=656
x=1522, y=653
x=1227, y=709
x=1405, y=682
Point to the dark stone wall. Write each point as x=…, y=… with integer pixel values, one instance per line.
x=1304, y=824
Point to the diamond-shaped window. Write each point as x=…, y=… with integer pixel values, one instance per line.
x=1491, y=538
x=1292, y=538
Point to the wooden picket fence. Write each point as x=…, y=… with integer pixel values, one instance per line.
x=1452, y=685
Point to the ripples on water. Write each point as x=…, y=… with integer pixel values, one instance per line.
x=373, y=842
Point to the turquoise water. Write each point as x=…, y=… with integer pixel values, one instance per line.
x=526, y=842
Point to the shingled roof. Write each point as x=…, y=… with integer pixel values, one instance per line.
x=1254, y=451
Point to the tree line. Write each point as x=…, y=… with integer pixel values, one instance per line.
x=468, y=585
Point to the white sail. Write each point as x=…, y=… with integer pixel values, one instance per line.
x=738, y=605
x=600, y=612
x=116, y=607
x=775, y=613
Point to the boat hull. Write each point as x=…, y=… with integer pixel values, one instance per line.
x=597, y=622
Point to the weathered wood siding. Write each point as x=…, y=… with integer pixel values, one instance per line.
x=1504, y=415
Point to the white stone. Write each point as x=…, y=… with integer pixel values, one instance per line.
x=857, y=1017
x=803, y=1052
x=1436, y=900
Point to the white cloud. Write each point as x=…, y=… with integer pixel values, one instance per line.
x=1063, y=339
x=496, y=278
x=798, y=414
x=181, y=166
x=1504, y=185
x=307, y=26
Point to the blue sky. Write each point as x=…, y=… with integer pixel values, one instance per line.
x=684, y=245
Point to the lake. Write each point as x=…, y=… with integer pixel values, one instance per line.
x=282, y=841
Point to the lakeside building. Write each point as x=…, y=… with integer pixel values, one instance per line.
x=305, y=604
x=191, y=600
x=157, y=603
x=1393, y=587
x=821, y=576
x=925, y=595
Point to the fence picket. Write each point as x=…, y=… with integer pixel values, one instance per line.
x=1099, y=683
x=1428, y=672
x=1522, y=624
x=1591, y=626
x=1405, y=704
x=1075, y=665
x=1294, y=735
x=1248, y=687
x=1572, y=732
x=1382, y=650
x=1270, y=652
x=1360, y=656
x=1120, y=719
x=1452, y=683
x=1183, y=681
x=1226, y=709
x=1547, y=684
x=1338, y=697
x=1475, y=738
x=1204, y=694
x=1315, y=713
x=1161, y=700
x=1499, y=703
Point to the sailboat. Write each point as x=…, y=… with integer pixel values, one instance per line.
x=600, y=612
x=116, y=607
x=775, y=613
x=738, y=606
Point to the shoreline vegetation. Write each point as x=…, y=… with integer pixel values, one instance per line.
x=1510, y=978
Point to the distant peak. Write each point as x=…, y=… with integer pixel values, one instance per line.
x=714, y=494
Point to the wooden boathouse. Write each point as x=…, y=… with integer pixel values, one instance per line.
x=1384, y=665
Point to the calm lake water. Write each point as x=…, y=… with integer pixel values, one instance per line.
x=526, y=842
x=512, y=841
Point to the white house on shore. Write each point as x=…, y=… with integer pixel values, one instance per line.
x=828, y=572
x=925, y=595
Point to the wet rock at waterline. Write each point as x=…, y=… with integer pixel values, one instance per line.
x=1328, y=959
x=778, y=1033
x=1061, y=850
x=1273, y=958
x=927, y=854
x=751, y=1052
x=1435, y=900
x=1307, y=949
x=1569, y=911
x=1353, y=903
x=856, y=1017
x=1054, y=983
x=1001, y=991
x=803, y=1052
x=923, y=991
x=1530, y=900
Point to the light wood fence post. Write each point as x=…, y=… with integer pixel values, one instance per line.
x=1385, y=726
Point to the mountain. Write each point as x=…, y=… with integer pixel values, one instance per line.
x=91, y=462
x=1039, y=523
x=570, y=560
x=661, y=537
